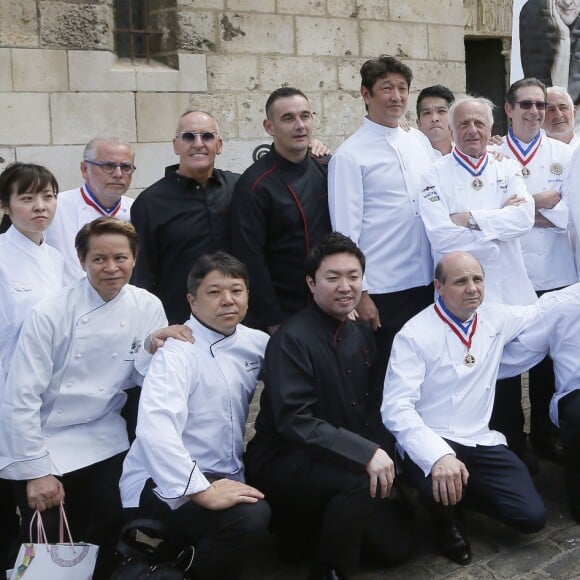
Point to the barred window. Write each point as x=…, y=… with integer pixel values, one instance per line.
x=146, y=29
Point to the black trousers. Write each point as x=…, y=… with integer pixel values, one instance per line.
x=507, y=415
x=333, y=503
x=93, y=509
x=569, y=419
x=395, y=308
x=9, y=524
x=223, y=539
x=499, y=485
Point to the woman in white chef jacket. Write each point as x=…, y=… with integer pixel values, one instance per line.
x=30, y=269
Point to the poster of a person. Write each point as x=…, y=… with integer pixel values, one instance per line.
x=545, y=36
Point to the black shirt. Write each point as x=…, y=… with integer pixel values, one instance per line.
x=279, y=212
x=178, y=221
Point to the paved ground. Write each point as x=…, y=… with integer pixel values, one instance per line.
x=498, y=552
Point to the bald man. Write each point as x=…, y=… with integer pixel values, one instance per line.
x=437, y=401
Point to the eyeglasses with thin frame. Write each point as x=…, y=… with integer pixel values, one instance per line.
x=526, y=104
x=109, y=167
x=191, y=136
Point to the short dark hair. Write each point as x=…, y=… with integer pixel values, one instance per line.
x=102, y=226
x=333, y=243
x=22, y=177
x=510, y=96
x=220, y=261
x=378, y=68
x=434, y=91
x=281, y=93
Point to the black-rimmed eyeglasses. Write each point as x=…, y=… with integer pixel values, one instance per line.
x=109, y=167
x=525, y=104
x=190, y=136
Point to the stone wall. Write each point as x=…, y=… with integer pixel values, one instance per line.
x=61, y=84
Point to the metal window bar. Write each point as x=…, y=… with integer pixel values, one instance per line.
x=135, y=15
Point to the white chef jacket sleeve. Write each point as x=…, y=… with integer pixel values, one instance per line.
x=559, y=215
x=570, y=189
x=23, y=451
x=402, y=389
x=511, y=221
x=143, y=359
x=345, y=195
x=531, y=344
x=443, y=234
x=162, y=419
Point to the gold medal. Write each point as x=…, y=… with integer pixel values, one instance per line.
x=525, y=172
x=469, y=359
x=556, y=168
x=477, y=184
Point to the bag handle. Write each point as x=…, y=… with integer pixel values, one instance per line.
x=41, y=537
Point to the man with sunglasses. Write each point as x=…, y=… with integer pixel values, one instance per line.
x=183, y=215
x=107, y=168
x=280, y=211
x=547, y=248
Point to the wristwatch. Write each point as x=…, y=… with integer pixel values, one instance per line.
x=471, y=223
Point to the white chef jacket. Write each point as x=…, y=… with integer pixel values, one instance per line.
x=548, y=253
x=446, y=189
x=571, y=193
x=373, y=186
x=72, y=213
x=192, y=414
x=556, y=329
x=431, y=395
x=60, y=410
x=30, y=273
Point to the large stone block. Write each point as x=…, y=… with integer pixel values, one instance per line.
x=361, y=9
x=238, y=155
x=304, y=7
x=398, y=39
x=24, y=119
x=36, y=70
x=18, y=23
x=191, y=76
x=446, y=43
x=256, y=33
x=307, y=74
x=7, y=156
x=252, y=5
x=450, y=74
x=349, y=74
x=5, y=70
x=68, y=25
x=78, y=117
x=157, y=115
x=198, y=31
x=200, y=4
x=64, y=161
x=151, y=160
x=252, y=115
x=232, y=73
x=100, y=70
x=343, y=112
x=224, y=108
x=426, y=11
x=327, y=36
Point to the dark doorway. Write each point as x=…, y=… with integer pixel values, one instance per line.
x=486, y=76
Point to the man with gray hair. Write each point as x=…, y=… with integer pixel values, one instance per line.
x=561, y=116
x=107, y=168
x=474, y=203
